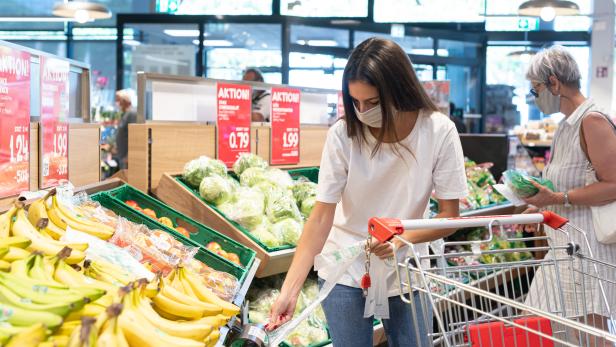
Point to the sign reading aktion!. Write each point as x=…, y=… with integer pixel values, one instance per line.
x=14, y=121
x=285, y=126
x=54, y=121
x=233, y=120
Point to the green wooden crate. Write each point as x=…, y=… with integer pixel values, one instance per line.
x=198, y=232
x=207, y=258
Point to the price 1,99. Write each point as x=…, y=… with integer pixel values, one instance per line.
x=19, y=148
x=239, y=139
x=290, y=139
x=60, y=144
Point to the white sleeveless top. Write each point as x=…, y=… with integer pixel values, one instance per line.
x=567, y=170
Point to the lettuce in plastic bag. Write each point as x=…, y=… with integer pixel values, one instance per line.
x=282, y=207
x=262, y=233
x=252, y=176
x=304, y=190
x=216, y=189
x=519, y=183
x=307, y=205
x=248, y=160
x=288, y=230
x=248, y=207
x=196, y=169
x=279, y=177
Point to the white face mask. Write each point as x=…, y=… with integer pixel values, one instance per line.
x=547, y=102
x=372, y=118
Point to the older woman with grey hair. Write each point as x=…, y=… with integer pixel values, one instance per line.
x=584, y=141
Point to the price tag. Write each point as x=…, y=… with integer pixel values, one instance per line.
x=285, y=126
x=233, y=120
x=14, y=121
x=54, y=122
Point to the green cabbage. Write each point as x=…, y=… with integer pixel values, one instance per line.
x=248, y=207
x=307, y=205
x=252, y=176
x=279, y=177
x=248, y=160
x=263, y=234
x=281, y=207
x=303, y=190
x=216, y=189
x=196, y=169
x=289, y=230
x=519, y=183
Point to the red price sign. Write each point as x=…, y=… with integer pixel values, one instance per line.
x=233, y=120
x=285, y=126
x=14, y=121
x=54, y=121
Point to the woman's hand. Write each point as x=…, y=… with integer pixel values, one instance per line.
x=282, y=310
x=544, y=197
x=529, y=228
x=384, y=250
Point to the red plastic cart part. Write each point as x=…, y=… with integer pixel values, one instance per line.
x=496, y=334
x=553, y=220
x=384, y=229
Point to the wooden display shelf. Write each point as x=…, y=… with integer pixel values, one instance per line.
x=180, y=198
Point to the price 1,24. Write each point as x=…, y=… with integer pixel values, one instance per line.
x=290, y=139
x=19, y=148
x=239, y=140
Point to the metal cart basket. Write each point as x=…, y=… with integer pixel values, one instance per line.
x=565, y=299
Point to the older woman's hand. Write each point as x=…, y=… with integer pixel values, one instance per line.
x=545, y=197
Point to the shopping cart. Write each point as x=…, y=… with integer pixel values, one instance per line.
x=564, y=299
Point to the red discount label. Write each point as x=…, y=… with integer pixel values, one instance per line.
x=285, y=126
x=233, y=120
x=14, y=121
x=54, y=121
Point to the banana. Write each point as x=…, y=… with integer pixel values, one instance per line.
x=5, y=265
x=23, y=227
x=88, y=310
x=38, y=271
x=165, y=304
x=189, y=329
x=41, y=293
x=16, y=253
x=31, y=336
x=15, y=241
x=86, y=335
x=63, y=217
x=42, y=226
x=11, y=298
x=110, y=333
x=37, y=212
x=4, y=338
x=207, y=295
x=6, y=222
x=67, y=328
x=212, y=339
x=8, y=329
x=58, y=340
x=68, y=276
x=107, y=272
x=173, y=294
x=140, y=332
x=3, y=251
x=20, y=317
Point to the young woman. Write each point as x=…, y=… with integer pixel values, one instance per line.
x=385, y=158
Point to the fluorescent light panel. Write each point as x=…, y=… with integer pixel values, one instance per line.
x=215, y=43
x=182, y=32
x=318, y=43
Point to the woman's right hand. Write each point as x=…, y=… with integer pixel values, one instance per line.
x=529, y=228
x=282, y=310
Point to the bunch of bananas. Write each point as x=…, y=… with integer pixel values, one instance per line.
x=53, y=218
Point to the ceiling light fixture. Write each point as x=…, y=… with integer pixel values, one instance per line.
x=318, y=42
x=548, y=9
x=215, y=43
x=182, y=32
x=81, y=11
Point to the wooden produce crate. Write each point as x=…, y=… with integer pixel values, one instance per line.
x=185, y=200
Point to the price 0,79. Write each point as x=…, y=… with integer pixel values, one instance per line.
x=239, y=139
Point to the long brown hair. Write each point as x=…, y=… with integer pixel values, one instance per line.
x=384, y=65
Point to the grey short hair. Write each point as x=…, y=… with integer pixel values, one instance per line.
x=127, y=95
x=554, y=61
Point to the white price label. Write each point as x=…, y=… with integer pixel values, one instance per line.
x=290, y=139
x=239, y=140
x=60, y=144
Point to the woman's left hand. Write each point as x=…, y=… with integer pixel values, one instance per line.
x=384, y=250
x=544, y=197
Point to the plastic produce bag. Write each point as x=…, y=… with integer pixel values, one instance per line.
x=264, y=234
x=248, y=160
x=253, y=175
x=282, y=207
x=196, y=169
x=216, y=189
x=156, y=248
x=519, y=183
x=248, y=208
x=279, y=177
x=288, y=230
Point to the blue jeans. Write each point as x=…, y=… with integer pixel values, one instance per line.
x=344, y=310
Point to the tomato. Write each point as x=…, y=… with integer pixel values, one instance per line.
x=182, y=231
x=233, y=258
x=214, y=246
x=150, y=213
x=131, y=203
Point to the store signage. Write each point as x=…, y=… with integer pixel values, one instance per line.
x=14, y=121
x=285, y=126
x=54, y=122
x=233, y=120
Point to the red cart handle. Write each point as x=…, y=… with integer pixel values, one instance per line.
x=553, y=220
x=384, y=229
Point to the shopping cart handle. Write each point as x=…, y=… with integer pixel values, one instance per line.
x=553, y=220
x=384, y=229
